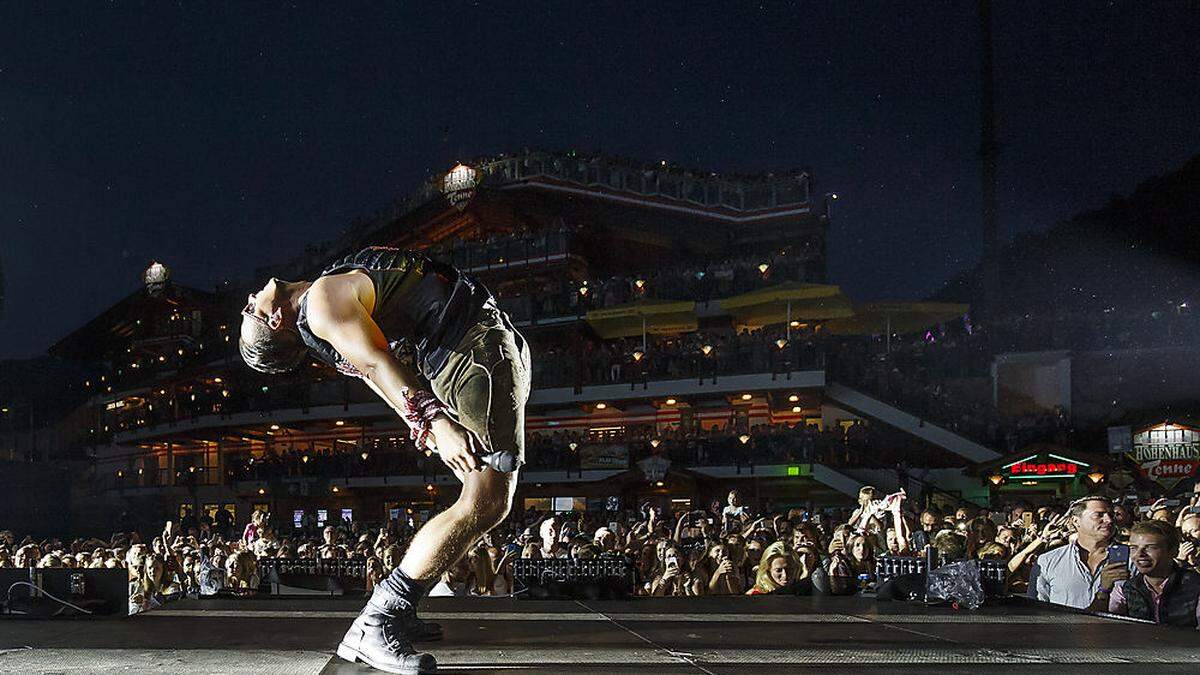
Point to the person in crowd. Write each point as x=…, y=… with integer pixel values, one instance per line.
x=671, y=575
x=778, y=571
x=726, y=577
x=1160, y=590
x=1071, y=574
x=258, y=521
x=734, y=509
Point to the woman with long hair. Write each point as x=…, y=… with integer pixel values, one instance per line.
x=726, y=578
x=673, y=575
x=850, y=556
x=778, y=570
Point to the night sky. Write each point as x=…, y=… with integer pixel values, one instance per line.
x=216, y=137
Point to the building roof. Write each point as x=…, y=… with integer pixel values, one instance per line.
x=118, y=325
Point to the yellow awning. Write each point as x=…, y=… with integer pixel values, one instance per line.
x=794, y=300
x=790, y=290
x=659, y=317
x=874, y=318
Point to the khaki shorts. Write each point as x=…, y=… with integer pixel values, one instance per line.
x=485, y=384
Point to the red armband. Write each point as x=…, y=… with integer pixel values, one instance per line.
x=420, y=409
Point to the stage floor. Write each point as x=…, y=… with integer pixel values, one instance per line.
x=662, y=635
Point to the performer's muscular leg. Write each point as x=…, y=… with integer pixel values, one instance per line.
x=483, y=504
x=380, y=635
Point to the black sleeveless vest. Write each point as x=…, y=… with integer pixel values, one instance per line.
x=1179, y=599
x=420, y=304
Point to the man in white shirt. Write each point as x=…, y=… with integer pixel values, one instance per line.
x=1070, y=575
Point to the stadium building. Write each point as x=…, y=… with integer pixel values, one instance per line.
x=683, y=333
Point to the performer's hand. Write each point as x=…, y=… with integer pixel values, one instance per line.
x=455, y=445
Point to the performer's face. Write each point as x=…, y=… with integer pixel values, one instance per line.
x=264, y=305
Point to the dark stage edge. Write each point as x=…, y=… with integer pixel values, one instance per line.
x=660, y=635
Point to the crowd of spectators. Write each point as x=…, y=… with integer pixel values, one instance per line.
x=916, y=373
x=1089, y=554
x=699, y=354
x=859, y=444
x=701, y=283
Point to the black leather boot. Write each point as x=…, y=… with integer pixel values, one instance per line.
x=375, y=639
x=398, y=595
x=383, y=633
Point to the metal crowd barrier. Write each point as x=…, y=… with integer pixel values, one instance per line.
x=337, y=568
x=993, y=573
x=567, y=577
x=303, y=576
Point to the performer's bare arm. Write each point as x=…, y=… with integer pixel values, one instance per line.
x=337, y=315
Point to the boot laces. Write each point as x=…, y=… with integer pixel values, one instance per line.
x=393, y=641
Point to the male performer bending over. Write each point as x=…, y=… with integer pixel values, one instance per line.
x=468, y=404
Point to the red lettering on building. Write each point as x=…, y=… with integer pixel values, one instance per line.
x=1043, y=468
